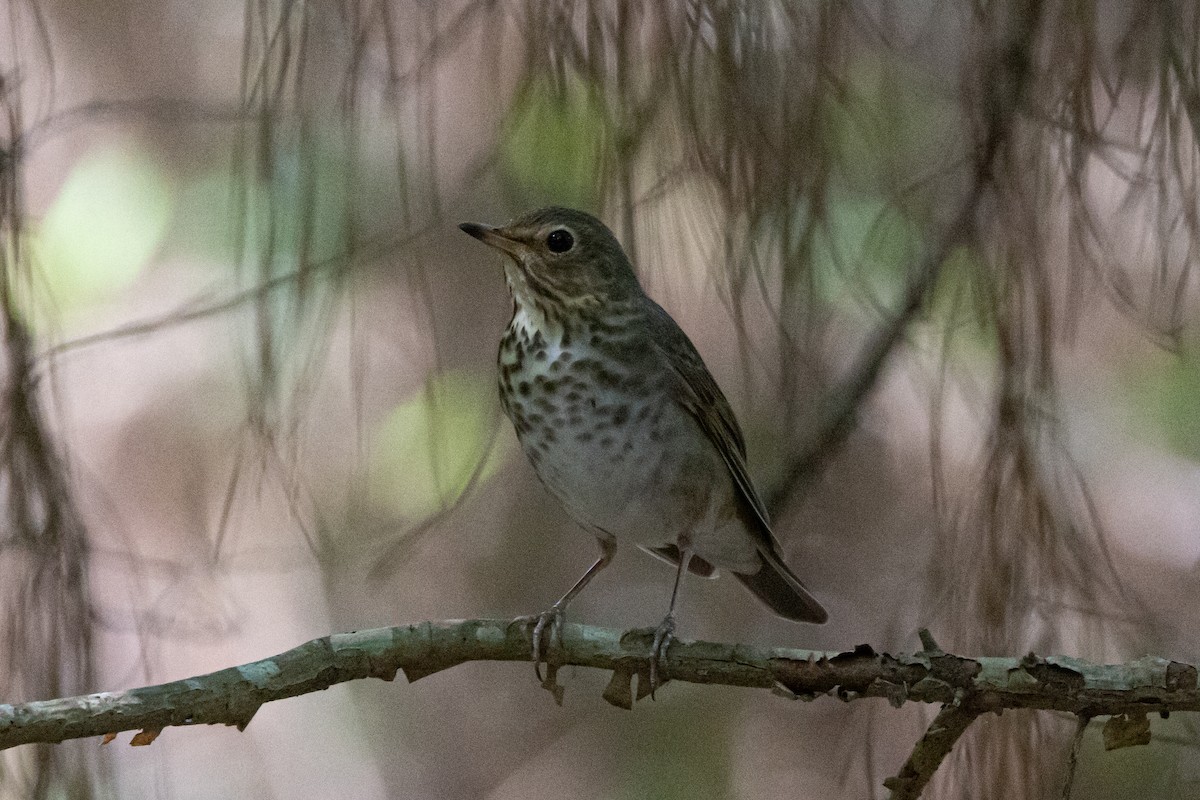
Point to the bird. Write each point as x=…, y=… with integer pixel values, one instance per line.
x=623, y=422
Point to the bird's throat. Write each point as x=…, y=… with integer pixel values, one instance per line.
x=533, y=313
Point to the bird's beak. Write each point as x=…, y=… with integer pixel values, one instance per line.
x=491, y=236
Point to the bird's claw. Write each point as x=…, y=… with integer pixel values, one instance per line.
x=546, y=633
x=663, y=636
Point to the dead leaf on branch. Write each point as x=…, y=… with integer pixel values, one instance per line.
x=1126, y=730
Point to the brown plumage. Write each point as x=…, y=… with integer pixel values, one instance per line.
x=623, y=422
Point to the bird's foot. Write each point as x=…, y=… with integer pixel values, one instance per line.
x=545, y=634
x=663, y=636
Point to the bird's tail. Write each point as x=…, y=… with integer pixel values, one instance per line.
x=782, y=591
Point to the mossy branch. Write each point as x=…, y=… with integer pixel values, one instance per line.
x=967, y=687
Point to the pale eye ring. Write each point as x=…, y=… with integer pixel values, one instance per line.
x=559, y=240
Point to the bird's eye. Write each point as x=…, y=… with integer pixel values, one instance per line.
x=560, y=240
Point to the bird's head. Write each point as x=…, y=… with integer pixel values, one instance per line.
x=560, y=260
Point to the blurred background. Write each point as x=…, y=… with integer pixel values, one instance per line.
x=939, y=256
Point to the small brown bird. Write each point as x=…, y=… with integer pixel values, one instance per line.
x=623, y=422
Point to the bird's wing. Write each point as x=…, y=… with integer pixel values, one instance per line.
x=697, y=392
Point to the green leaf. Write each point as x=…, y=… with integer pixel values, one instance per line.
x=426, y=451
x=299, y=211
x=106, y=223
x=1164, y=397
x=551, y=144
x=862, y=255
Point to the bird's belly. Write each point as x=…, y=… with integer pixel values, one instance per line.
x=620, y=454
x=663, y=496
x=603, y=475
x=650, y=482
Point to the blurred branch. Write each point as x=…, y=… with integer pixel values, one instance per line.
x=206, y=307
x=1002, y=82
x=167, y=110
x=969, y=686
x=841, y=410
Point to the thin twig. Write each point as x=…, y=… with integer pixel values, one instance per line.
x=1073, y=758
x=949, y=724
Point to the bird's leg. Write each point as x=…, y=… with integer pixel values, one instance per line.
x=547, y=626
x=666, y=629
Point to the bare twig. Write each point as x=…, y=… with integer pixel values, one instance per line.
x=949, y=724
x=1073, y=758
